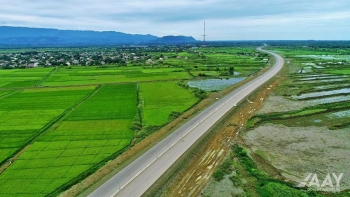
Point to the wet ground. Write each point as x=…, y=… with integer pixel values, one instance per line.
x=214, y=84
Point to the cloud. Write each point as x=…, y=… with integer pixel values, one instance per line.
x=226, y=19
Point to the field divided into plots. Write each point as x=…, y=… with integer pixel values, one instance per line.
x=95, y=75
x=22, y=77
x=26, y=113
x=320, y=83
x=216, y=62
x=89, y=135
x=73, y=119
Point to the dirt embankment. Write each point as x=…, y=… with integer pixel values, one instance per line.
x=197, y=173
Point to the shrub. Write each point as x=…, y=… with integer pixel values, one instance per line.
x=219, y=175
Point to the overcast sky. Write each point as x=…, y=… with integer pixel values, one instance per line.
x=225, y=19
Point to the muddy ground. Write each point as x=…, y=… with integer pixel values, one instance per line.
x=298, y=151
x=280, y=104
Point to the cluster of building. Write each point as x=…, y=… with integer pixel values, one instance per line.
x=68, y=58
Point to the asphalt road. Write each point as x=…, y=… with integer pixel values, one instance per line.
x=138, y=176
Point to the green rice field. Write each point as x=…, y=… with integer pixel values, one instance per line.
x=161, y=99
x=96, y=75
x=87, y=136
x=23, y=115
x=22, y=77
x=60, y=124
x=72, y=130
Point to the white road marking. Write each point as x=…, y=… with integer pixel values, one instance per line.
x=210, y=114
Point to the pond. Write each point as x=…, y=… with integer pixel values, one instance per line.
x=214, y=84
x=340, y=114
x=321, y=77
x=323, y=93
x=327, y=80
x=330, y=99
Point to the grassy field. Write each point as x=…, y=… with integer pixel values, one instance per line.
x=96, y=75
x=211, y=61
x=3, y=93
x=72, y=120
x=293, y=51
x=342, y=71
x=23, y=114
x=96, y=130
x=217, y=61
x=161, y=99
x=22, y=77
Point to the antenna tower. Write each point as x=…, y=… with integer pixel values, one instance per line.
x=204, y=35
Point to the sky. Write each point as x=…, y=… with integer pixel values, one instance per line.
x=225, y=19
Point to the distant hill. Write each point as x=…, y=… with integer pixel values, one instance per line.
x=175, y=39
x=24, y=36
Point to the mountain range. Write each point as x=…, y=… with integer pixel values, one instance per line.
x=26, y=36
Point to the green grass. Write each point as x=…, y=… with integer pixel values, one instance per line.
x=303, y=113
x=161, y=99
x=16, y=78
x=24, y=114
x=98, y=128
x=341, y=71
x=34, y=100
x=216, y=61
x=96, y=75
x=264, y=185
x=5, y=92
x=90, y=130
x=305, y=51
x=110, y=102
x=95, y=131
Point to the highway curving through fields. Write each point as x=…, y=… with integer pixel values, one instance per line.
x=138, y=176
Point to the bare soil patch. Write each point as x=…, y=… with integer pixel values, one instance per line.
x=298, y=151
x=280, y=104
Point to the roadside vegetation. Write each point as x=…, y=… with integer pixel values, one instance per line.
x=247, y=179
x=242, y=171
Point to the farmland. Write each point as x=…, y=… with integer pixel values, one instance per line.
x=90, y=134
x=22, y=77
x=162, y=99
x=305, y=122
x=96, y=75
x=23, y=115
x=300, y=128
x=61, y=123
